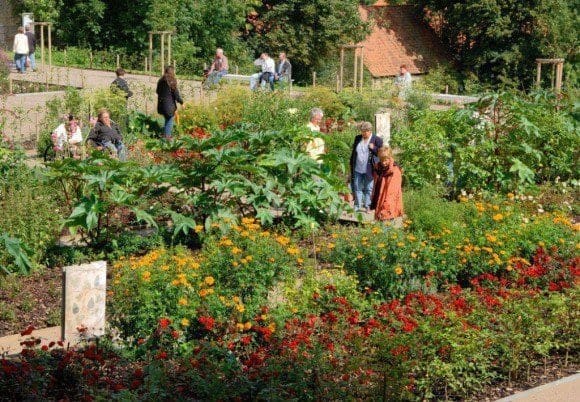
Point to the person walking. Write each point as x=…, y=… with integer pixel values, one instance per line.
x=20, y=49
x=120, y=84
x=31, y=46
x=362, y=161
x=167, y=98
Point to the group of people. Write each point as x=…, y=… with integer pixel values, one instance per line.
x=375, y=177
x=270, y=71
x=24, y=47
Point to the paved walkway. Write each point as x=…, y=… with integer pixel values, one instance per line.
x=24, y=113
x=10, y=345
x=564, y=390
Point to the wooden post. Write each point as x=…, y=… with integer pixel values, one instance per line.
x=538, y=74
x=118, y=63
x=355, y=68
x=169, y=49
x=341, y=68
x=150, y=52
x=145, y=63
x=559, y=71
x=65, y=60
x=553, y=75
x=362, y=66
x=162, y=52
x=314, y=78
x=237, y=69
x=42, y=45
x=337, y=82
x=49, y=46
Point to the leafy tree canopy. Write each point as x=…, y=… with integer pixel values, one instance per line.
x=308, y=31
x=500, y=39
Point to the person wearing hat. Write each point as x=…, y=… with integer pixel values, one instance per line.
x=362, y=162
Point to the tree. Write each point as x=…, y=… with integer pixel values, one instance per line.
x=310, y=32
x=500, y=39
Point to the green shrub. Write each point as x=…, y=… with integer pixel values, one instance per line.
x=29, y=209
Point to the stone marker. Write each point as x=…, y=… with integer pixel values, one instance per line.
x=383, y=126
x=84, y=293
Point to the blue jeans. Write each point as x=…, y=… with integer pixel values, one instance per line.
x=168, y=127
x=32, y=61
x=216, y=76
x=20, y=60
x=118, y=149
x=363, y=189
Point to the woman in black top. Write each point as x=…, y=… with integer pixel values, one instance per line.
x=167, y=96
x=106, y=133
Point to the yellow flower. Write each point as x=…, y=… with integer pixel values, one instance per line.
x=411, y=237
x=376, y=230
x=413, y=255
x=271, y=259
x=240, y=326
x=175, y=282
x=146, y=276
x=236, y=250
x=330, y=246
x=240, y=308
x=185, y=322
x=510, y=196
x=182, y=301
x=359, y=257
x=497, y=217
x=293, y=250
x=491, y=238
x=236, y=299
x=194, y=265
x=400, y=244
x=235, y=263
x=249, y=258
x=198, y=228
x=272, y=326
x=247, y=325
x=398, y=270
x=283, y=240
x=299, y=260
x=165, y=267
x=381, y=245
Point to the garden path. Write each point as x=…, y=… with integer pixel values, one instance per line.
x=564, y=390
x=10, y=345
x=23, y=113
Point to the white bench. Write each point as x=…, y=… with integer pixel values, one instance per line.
x=236, y=77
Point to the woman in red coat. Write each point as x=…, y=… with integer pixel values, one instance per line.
x=387, y=198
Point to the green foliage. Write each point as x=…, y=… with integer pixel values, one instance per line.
x=309, y=31
x=500, y=39
x=4, y=72
x=29, y=218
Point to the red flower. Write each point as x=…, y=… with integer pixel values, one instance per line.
x=207, y=322
x=164, y=322
x=44, y=347
x=27, y=331
x=162, y=355
x=553, y=287
x=175, y=334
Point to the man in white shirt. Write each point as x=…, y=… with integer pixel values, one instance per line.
x=268, y=69
x=315, y=147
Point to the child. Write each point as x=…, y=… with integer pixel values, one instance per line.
x=387, y=200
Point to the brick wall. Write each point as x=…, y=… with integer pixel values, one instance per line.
x=8, y=25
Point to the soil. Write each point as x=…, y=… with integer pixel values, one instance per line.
x=30, y=300
x=553, y=370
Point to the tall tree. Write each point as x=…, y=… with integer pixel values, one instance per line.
x=309, y=31
x=500, y=39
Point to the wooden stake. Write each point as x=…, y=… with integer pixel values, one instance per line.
x=362, y=57
x=559, y=71
x=118, y=63
x=538, y=74
x=162, y=52
x=42, y=45
x=49, y=46
x=355, y=68
x=314, y=78
x=150, y=52
x=341, y=68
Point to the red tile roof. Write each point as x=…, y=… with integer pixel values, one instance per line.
x=398, y=37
